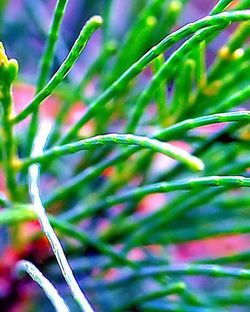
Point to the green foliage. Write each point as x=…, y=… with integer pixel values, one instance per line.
x=184, y=94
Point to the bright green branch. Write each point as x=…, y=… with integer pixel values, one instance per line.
x=8, y=72
x=45, y=65
x=186, y=270
x=127, y=139
x=220, y=6
x=163, y=187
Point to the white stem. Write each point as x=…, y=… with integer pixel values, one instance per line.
x=45, y=284
x=47, y=229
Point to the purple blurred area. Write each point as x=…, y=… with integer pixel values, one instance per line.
x=26, y=24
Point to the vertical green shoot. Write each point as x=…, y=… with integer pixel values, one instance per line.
x=45, y=66
x=8, y=72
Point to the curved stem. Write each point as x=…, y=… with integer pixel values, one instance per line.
x=220, y=6
x=186, y=270
x=163, y=187
x=92, y=24
x=45, y=284
x=127, y=139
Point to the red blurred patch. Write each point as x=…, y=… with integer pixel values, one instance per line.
x=111, y=274
x=136, y=254
x=23, y=94
x=210, y=129
x=2, y=183
x=76, y=112
x=151, y=202
x=108, y=172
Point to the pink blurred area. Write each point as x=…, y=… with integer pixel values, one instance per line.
x=210, y=248
x=49, y=109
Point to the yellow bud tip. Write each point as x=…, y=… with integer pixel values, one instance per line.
x=12, y=66
x=224, y=53
x=3, y=56
x=175, y=6
x=237, y=54
x=199, y=165
x=213, y=88
x=182, y=286
x=151, y=21
x=97, y=19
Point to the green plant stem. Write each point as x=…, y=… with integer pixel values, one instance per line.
x=15, y=215
x=220, y=6
x=8, y=73
x=45, y=284
x=160, y=93
x=226, y=55
x=127, y=139
x=198, y=55
x=182, y=90
x=234, y=100
x=205, y=230
x=141, y=29
x=67, y=229
x=45, y=66
x=186, y=184
x=171, y=211
x=166, y=71
x=107, y=11
x=171, y=132
x=244, y=4
x=174, y=288
x=229, y=202
x=97, y=66
x=216, y=20
x=186, y=270
x=108, y=50
x=226, y=87
x=235, y=297
x=8, y=143
x=48, y=54
x=93, y=23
